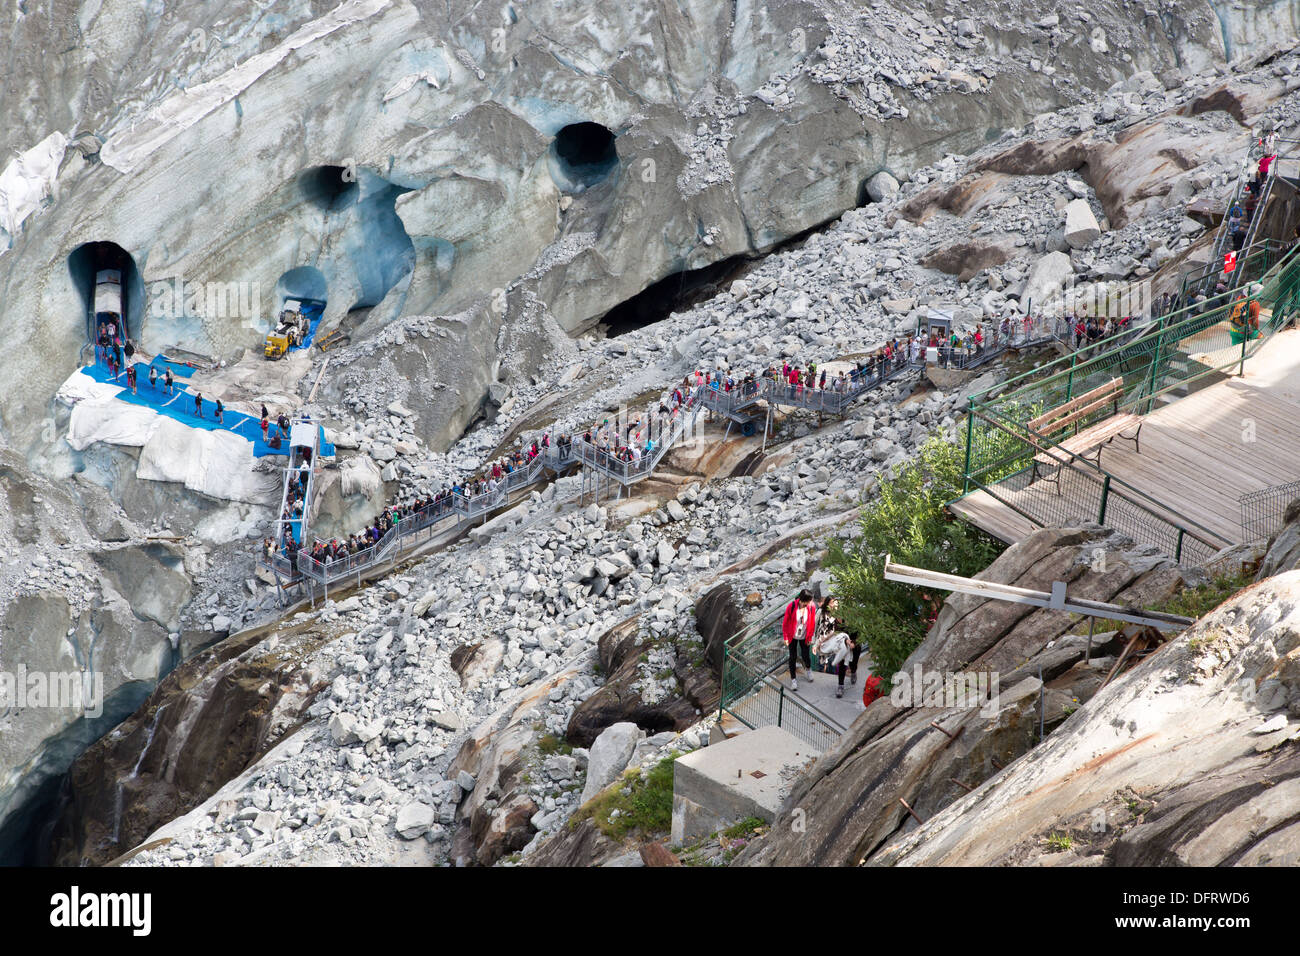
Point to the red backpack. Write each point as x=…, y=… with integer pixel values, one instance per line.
x=871, y=690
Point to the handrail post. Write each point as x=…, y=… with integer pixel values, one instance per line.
x=1105, y=496
x=1155, y=362
x=722, y=690
x=970, y=434
x=780, y=702
x=1178, y=549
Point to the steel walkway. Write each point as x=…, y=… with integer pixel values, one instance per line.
x=602, y=470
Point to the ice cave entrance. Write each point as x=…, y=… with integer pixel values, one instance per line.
x=582, y=155
x=329, y=188
x=301, y=292
x=111, y=289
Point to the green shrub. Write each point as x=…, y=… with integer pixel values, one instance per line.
x=646, y=808
x=744, y=828
x=909, y=522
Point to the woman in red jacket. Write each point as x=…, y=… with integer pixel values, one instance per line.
x=797, y=630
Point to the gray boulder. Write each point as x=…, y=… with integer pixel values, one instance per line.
x=609, y=757
x=1081, y=228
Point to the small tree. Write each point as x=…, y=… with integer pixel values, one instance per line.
x=908, y=521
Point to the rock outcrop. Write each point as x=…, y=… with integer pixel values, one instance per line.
x=205, y=723
x=1191, y=759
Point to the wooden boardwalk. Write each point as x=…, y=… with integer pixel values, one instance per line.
x=1199, y=454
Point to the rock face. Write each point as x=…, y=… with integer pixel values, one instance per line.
x=88, y=638
x=150, y=577
x=205, y=722
x=445, y=171
x=529, y=595
x=1049, y=277
x=622, y=698
x=1189, y=759
x=497, y=815
x=893, y=750
x=1283, y=552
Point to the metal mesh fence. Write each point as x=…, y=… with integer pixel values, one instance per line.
x=770, y=703
x=1067, y=492
x=1262, y=511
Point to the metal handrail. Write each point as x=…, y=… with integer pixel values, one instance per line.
x=1221, y=241
x=1175, y=322
x=459, y=505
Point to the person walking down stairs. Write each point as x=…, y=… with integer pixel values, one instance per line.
x=797, y=629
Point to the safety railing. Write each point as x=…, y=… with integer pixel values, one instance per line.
x=1179, y=350
x=410, y=530
x=1082, y=493
x=627, y=472
x=1016, y=335
x=1223, y=238
x=1263, y=511
x=1283, y=151
x=1173, y=352
x=752, y=695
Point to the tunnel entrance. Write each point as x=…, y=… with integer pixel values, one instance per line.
x=304, y=282
x=689, y=287
x=674, y=293
x=111, y=289
x=329, y=188
x=582, y=155
x=385, y=254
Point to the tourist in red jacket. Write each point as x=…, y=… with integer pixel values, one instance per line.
x=797, y=630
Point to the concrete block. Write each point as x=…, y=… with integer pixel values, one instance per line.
x=746, y=776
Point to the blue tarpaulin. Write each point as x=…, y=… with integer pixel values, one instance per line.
x=179, y=405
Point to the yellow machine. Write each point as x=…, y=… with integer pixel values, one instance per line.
x=333, y=340
x=277, y=344
x=288, y=331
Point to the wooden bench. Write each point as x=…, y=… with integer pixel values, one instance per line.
x=1052, y=423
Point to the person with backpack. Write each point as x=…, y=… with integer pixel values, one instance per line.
x=797, y=629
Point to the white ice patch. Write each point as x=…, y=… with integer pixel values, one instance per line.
x=359, y=476
x=27, y=180
x=126, y=150
x=408, y=81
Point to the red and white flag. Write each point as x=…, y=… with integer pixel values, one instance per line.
x=1229, y=261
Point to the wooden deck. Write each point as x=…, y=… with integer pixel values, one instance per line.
x=1199, y=453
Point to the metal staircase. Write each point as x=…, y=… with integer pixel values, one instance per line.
x=304, y=449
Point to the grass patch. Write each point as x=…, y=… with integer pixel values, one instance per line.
x=646, y=808
x=1060, y=842
x=744, y=828
x=549, y=744
x=1204, y=598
